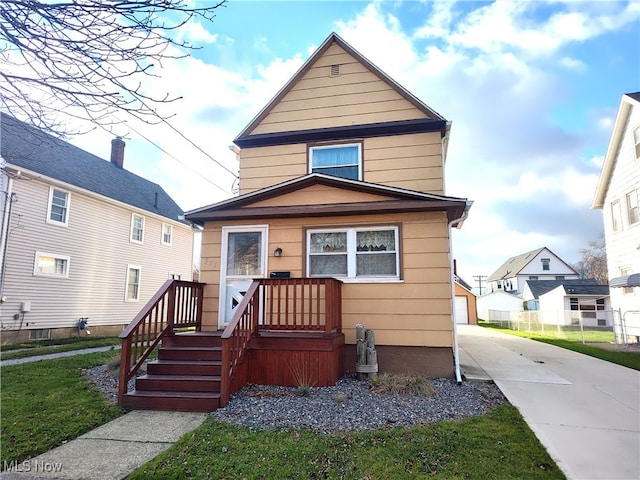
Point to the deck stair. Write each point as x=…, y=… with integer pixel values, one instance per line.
x=185, y=376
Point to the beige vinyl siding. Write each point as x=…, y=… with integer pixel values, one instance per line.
x=415, y=311
x=97, y=243
x=413, y=162
x=319, y=195
x=356, y=96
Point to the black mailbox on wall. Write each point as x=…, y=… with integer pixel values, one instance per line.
x=280, y=275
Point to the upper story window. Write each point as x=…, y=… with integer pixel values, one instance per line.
x=137, y=228
x=616, y=216
x=545, y=263
x=167, y=234
x=354, y=253
x=58, y=212
x=338, y=160
x=632, y=207
x=51, y=265
x=636, y=141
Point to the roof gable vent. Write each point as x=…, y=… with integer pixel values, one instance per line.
x=334, y=71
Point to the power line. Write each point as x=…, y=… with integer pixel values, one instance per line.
x=184, y=164
x=479, y=279
x=196, y=146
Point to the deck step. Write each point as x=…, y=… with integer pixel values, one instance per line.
x=184, y=367
x=189, y=353
x=194, y=339
x=190, y=383
x=172, y=401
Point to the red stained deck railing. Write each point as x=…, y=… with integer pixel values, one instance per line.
x=178, y=304
x=282, y=304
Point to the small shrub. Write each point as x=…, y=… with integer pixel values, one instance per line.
x=340, y=398
x=403, y=384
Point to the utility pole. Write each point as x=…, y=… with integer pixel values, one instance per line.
x=480, y=279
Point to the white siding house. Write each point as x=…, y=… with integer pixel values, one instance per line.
x=539, y=264
x=82, y=238
x=618, y=196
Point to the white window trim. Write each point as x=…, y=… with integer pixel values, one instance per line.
x=126, y=286
x=170, y=242
x=50, y=205
x=337, y=145
x=635, y=137
x=616, y=212
x=351, y=255
x=628, y=196
x=131, y=239
x=51, y=275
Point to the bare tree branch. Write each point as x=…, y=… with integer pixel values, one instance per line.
x=593, y=263
x=87, y=59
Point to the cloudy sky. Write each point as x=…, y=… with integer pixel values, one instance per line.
x=531, y=88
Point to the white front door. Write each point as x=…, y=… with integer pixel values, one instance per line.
x=244, y=258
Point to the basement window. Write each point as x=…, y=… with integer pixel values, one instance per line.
x=40, y=334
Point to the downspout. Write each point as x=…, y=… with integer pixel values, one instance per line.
x=456, y=352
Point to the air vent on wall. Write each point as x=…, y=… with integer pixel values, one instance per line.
x=335, y=71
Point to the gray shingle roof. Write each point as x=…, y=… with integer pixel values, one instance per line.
x=511, y=267
x=26, y=147
x=635, y=96
x=585, y=286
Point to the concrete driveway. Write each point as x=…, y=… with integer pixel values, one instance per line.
x=585, y=411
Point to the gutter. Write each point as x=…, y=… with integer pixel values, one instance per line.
x=456, y=350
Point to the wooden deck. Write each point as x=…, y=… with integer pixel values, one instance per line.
x=285, y=332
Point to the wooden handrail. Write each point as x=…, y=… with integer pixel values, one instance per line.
x=236, y=337
x=289, y=304
x=177, y=304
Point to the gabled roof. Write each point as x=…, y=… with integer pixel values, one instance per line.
x=514, y=265
x=461, y=282
x=628, y=101
x=586, y=286
x=397, y=200
x=28, y=148
x=433, y=122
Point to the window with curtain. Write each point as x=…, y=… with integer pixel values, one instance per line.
x=353, y=252
x=337, y=160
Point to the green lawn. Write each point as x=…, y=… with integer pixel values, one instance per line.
x=573, y=341
x=43, y=347
x=499, y=445
x=47, y=402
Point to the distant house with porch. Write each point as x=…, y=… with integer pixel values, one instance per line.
x=569, y=302
x=538, y=264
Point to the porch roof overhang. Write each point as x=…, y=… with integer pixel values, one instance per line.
x=632, y=280
x=398, y=201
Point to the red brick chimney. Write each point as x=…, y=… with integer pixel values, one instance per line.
x=117, y=152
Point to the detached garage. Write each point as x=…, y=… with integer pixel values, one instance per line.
x=465, y=304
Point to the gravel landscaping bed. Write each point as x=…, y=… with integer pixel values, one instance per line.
x=350, y=405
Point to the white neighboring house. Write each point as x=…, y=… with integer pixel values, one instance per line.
x=82, y=238
x=570, y=302
x=618, y=196
x=539, y=264
x=496, y=306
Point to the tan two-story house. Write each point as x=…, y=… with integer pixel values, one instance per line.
x=342, y=176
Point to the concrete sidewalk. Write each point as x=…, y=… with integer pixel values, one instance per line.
x=50, y=356
x=585, y=411
x=111, y=451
